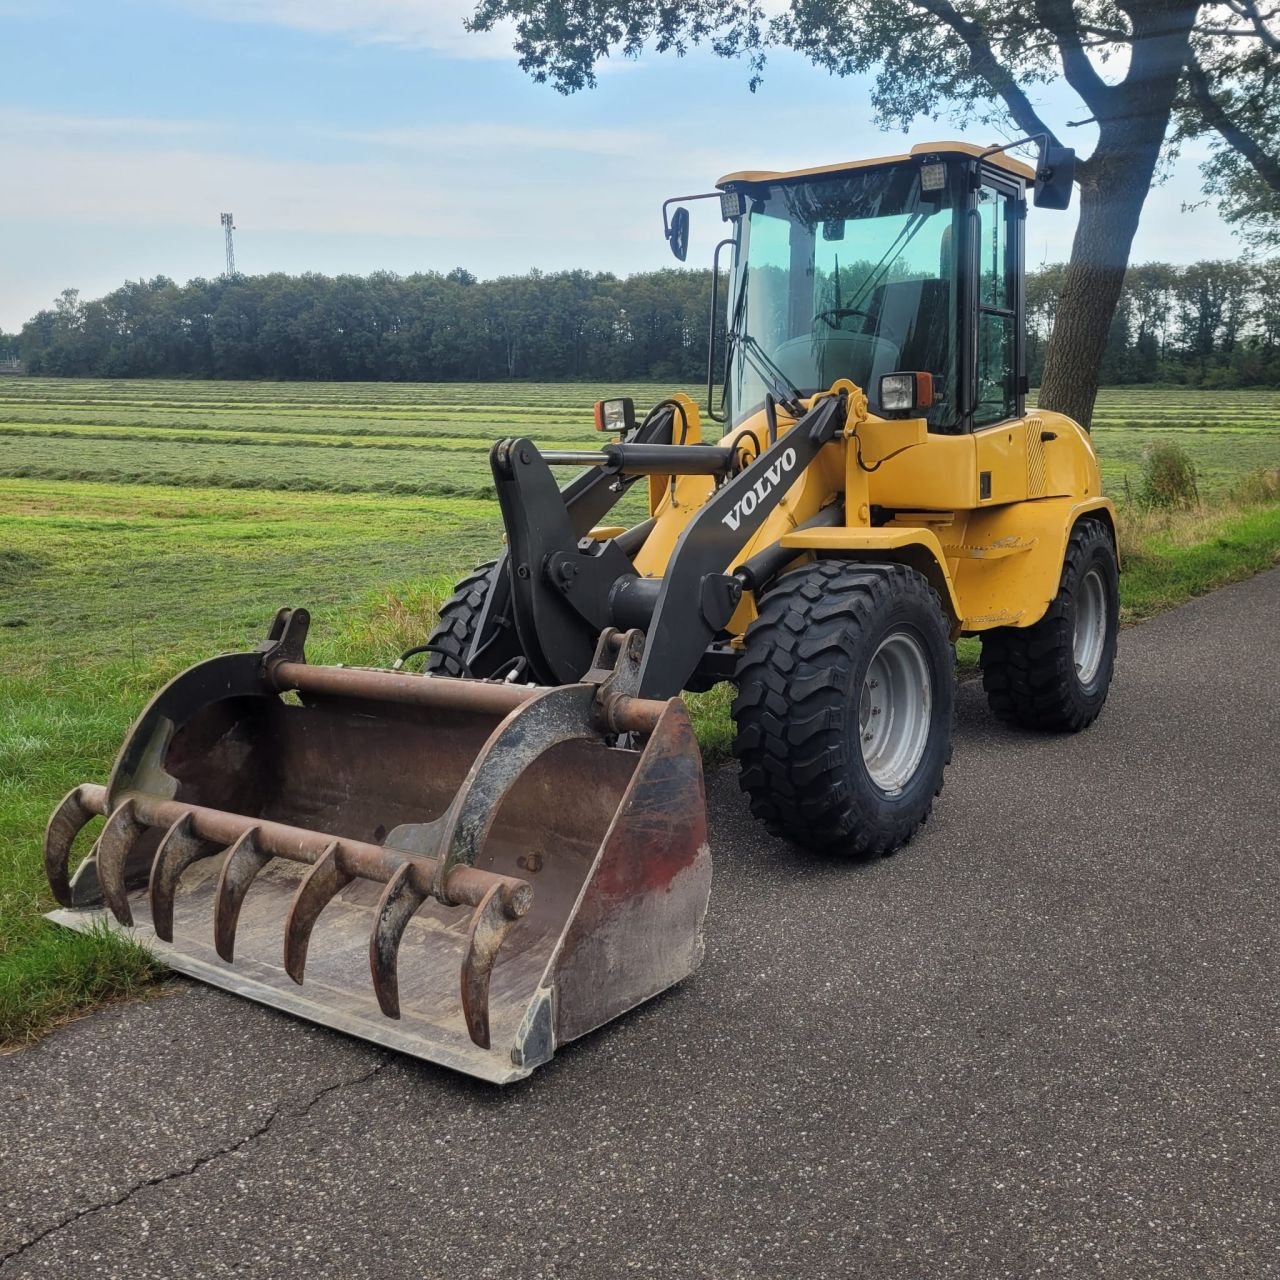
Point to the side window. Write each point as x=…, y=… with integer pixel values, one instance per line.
x=996, y=395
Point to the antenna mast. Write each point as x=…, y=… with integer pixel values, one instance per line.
x=228, y=226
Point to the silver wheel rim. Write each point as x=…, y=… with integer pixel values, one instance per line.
x=1090, y=635
x=894, y=712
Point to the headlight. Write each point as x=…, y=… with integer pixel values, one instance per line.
x=905, y=392
x=616, y=415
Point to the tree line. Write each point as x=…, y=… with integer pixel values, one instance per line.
x=423, y=327
x=1205, y=324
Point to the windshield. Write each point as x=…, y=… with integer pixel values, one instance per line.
x=846, y=277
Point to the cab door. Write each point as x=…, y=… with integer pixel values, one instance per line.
x=997, y=357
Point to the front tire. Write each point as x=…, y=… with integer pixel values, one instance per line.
x=1055, y=675
x=844, y=708
x=460, y=617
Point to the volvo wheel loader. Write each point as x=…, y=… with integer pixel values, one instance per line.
x=481, y=861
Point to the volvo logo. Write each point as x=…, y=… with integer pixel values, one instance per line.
x=760, y=490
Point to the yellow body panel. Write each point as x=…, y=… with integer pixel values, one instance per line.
x=1001, y=160
x=984, y=516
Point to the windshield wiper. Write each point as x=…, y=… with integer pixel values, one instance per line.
x=785, y=392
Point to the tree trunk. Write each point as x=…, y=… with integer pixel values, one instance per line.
x=1111, y=199
x=1132, y=118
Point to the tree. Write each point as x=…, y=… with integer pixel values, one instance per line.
x=1231, y=95
x=984, y=59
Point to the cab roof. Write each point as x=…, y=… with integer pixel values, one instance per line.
x=1002, y=160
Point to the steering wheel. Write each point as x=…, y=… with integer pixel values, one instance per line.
x=833, y=315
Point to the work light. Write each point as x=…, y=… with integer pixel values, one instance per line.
x=616, y=415
x=933, y=177
x=730, y=204
x=905, y=392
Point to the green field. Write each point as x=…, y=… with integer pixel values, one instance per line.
x=144, y=525
x=430, y=440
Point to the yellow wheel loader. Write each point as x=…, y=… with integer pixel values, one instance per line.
x=481, y=861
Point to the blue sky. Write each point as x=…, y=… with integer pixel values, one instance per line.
x=357, y=136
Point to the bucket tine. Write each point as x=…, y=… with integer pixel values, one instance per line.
x=399, y=901
x=78, y=807
x=325, y=879
x=244, y=861
x=114, y=846
x=179, y=848
x=490, y=925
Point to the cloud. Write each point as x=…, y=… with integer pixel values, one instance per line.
x=415, y=24
x=474, y=137
x=20, y=123
x=184, y=187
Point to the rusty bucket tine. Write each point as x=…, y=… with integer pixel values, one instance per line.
x=178, y=849
x=78, y=808
x=243, y=862
x=489, y=928
x=400, y=899
x=115, y=844
x=319, y=887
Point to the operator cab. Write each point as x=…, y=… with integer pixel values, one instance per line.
x=911, y=263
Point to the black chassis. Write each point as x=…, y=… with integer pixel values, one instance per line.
x=555, y=589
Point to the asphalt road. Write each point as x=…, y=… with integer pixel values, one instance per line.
x=1040, y=1041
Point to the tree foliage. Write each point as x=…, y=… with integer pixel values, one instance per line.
x=1232, y=98
x=1208, y=324
x=426, y=327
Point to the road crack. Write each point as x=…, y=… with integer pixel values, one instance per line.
x=174, y=1175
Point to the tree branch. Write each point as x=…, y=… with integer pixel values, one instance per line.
x=1234, y=33
x=1267, y=167
x=1059, y=17
x=1258, y=20
x=985, y=62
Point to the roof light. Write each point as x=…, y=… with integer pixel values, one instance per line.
x=730, y=204
x=933, y=177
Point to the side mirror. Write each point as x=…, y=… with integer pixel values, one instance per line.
x=678, y=234
x=1055, y=175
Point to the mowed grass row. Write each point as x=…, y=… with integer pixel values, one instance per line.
x=1137, y=404
x=433, y=439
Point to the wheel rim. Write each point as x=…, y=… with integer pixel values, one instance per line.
x=894, y=711
x=1091, y=626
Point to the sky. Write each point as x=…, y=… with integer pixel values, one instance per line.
x=364, y=135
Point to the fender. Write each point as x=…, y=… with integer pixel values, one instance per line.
x=1015, y=590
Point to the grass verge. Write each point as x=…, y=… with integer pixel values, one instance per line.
x=61, y=720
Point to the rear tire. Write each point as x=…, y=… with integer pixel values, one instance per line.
x=459, y=618
x=845, y=698
x=1055, y=675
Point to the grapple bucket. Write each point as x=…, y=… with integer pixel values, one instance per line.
x=467, y=871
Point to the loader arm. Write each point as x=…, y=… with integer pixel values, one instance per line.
x=565, y=589
x=587, y=499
